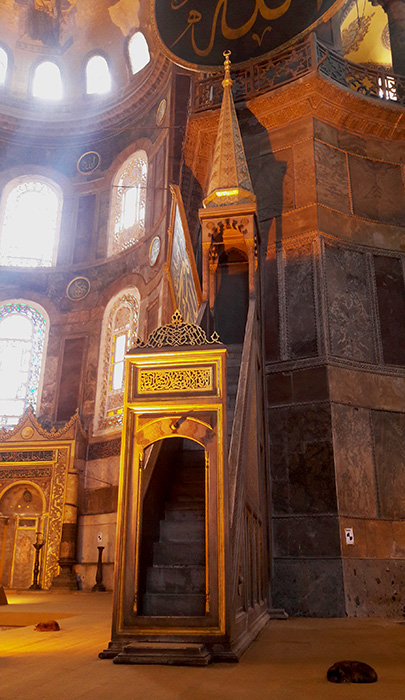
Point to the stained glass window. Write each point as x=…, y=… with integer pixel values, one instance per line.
x=98, y=78
x=138, y=51
x=47, y=81
x=22, y=339
x=3, y=65
x=120, y=329
x=31, y=218
x=129, y=203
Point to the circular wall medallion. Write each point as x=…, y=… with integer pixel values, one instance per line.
x=386, y=38
x=160, y=112
x=154, y=250
x=88, y=162
x=27, y=432
x=78, y=288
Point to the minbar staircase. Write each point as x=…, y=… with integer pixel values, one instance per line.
x=175, y=583
x=232, y=379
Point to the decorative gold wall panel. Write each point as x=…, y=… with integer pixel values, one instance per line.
x=175, y=380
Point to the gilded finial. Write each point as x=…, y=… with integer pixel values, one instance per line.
x=227, y=81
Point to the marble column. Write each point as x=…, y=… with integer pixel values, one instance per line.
x=395, y=10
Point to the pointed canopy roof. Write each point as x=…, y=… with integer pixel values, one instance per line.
x=230, y=181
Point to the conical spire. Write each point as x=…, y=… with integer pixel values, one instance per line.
x=230, y=181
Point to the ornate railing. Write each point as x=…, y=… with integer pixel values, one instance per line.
x=307, y=57
x=371, y=82
x=256, y=78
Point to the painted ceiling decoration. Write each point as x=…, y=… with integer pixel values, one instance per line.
x=197, y=32
x=365, y=34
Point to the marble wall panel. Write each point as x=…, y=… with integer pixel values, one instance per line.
x=70, y=379
x=374, y=587
x=101, y=500
x=90, y=526
x=355, y=143
x=389, y=278
x=312, y=479
x=389, y=438
x=84, y=228
x=159, y=172
x=359, y=231
x=304, y=174
x=309, y=384
x=271, y=305
x=299, y=284
x=366, y=389
x=332, y=177
x=377, y=190
x=273, y=182
x=301, y=460
x=306, y=537
x=373, y=539
x=67, y=226
x=354, y=462
x=351, y=333
x=309, y=587
x=152, y=316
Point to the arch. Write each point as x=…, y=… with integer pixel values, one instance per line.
x=97, y=75
x=24, y=331
x=22, y=518
x=30, y=215
x=128, y=203
x=138, y=52
x=47, y=81
x=119, y=332
x=232, y=295
x=27, y=484
x=162, y=427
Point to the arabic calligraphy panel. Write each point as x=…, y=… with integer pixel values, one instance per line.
x=198, y=32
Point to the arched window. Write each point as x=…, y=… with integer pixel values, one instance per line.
x=98, y=78
x=22, y=343
x=47, y=81
x=30, y=220
x=129, y=203
x=138, y=52
x=3, y=65
x=120, y=329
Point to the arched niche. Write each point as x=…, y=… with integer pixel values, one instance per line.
x=22, y=520
x=232, y=295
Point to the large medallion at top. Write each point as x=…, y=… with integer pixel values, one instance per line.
x=198, y=31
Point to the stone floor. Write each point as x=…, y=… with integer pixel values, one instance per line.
x=287, y=662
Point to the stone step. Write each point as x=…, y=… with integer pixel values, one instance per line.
x=185, y=515
x=176, y=579
x=178, y=531
x=188, y=490
x=179, y=553
x=192, y=458
x=185, y=505
x=190, y=475
x=166, y=653
x=174, y=604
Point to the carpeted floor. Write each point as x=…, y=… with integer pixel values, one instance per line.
x=287, y=662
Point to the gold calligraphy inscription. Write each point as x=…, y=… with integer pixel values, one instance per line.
x=166, y=381
x=220, y=16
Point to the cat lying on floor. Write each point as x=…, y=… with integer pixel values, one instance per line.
x=351, y=672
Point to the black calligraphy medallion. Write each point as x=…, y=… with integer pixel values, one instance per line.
x=198, y=31
x=88, y=162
